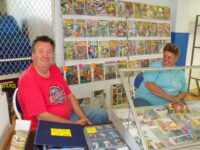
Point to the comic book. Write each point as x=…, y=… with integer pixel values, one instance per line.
x=98, y=73
x=79, y=7
x=99, y=98
x=81, y=50
x=119, y=98
x=80, y=28
x=161, y=30
x=154, y=47
x=166, y=124
x=100, y=7
x=121, y=28
x=140, y=47
x=159, y=12
x=121, y=64
x=72, y=75
x=103, y=49
x=140, y=29
x=92, y=49
x=110, y=70
x=152, y=11
x=111, y=8
x=113, y=48
x=103, y=28
x=120, y=9
x=166, y=13
x=67, y=7
x=161, y=44
x=123, y=48
x=147, y=49
x=145, y=63
x=90, y=7
x=113, y=28
x=141, y=10
x=131, y=48
x=69, y=51
x=132, y=29
x=92, y=27
x=68, y=27
x=85, y=73
x=128, y=9
x=153, y=29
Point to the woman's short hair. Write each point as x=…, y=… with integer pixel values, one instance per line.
x=173, y=48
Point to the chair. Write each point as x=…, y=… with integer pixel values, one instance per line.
x=138, y=79
x=16, y=105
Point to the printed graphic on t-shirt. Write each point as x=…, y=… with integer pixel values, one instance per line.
x=56, y=94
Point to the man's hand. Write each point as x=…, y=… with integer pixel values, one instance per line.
x=83, y=121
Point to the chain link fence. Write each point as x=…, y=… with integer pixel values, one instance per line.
x=20, y=22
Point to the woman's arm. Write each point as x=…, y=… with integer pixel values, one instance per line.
x=158, y=91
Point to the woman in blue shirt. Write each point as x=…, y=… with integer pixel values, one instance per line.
x=162, y=86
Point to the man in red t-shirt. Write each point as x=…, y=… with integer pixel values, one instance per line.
x=44, y=94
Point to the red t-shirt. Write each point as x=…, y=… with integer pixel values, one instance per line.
x=37, y=94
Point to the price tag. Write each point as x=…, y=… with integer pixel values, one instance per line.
x=91, y=130
x=61, y=132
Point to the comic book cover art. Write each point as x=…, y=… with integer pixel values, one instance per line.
x=147, y=49
x=153, y=29
x=111, y=8
x=119, y=96
x=110, y=70
x=90, y=7
x=128, y=9
x=140, y=47
x=166, y=13
x=98, y=72
x=121, y=29
x=79, y=7
x=120, y=9
x=99, y=98
x=143, y=28
x=85, y=73
x=69, y=51
x=152, y=11
x=121, y=64
x=80, y=28
x=113, y=48
x=92, y=27
x=81, y=50
x=100, y=7
x=103, y=49
x=145, y=63
x=68, y=27
x=131, y=48
x=93, y=49
x=67, y=7
x=132, y=64
x=103, y=28
x=113, y=28
x=167, y=124
x=154, y=47
x=72, y=75
x=164, y=29
x=161, y=44
x=123, y=48
x=141, y=10
x=159, y=12
x=132, y=29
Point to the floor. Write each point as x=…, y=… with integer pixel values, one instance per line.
x=193, y=95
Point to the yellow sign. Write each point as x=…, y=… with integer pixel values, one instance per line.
x=61, y=132
x=91, y=130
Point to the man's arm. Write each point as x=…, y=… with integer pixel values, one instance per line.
x=77, y=109
x=158, y=91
